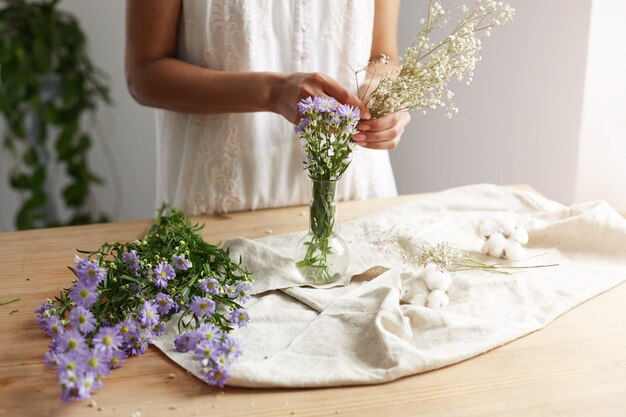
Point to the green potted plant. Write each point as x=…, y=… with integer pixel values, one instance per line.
x=48, y=84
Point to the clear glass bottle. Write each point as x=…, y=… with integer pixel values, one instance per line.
x=322, y=256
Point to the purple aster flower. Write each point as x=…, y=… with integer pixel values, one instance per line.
x=41, y=310
x=305, y=105
x=51, y=326
x=107, y=340
x=148, y=315
x=231, y=347
x=82, y=319
x=159, y=328
x=126, y=327
x=116, y=359
x=67, y=381
x=210, y=286
x=96, y=362
x=216, y=376
x=205, y=349
x=231, y=291
x=304, y=122
x=132, y=260
x=181, y=263
x=83, y=386
x=325, y=104
x=202, y=306
x=209, y=332
x=220, y=360
x=89, y=272
x=83, y=294
x=163, y=273
x=164, y=303
x=70, y=362
x=71, y=341
x=186, y=341
x=243, y=291
x=240, y=317
x=140, y=345
x=52, y=359
x=348, y=113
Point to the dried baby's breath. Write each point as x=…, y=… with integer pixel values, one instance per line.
x=421, y=81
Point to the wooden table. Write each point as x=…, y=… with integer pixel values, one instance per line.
x=576, y=366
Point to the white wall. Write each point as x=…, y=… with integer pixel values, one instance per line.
x=602, y=149
x=519, y=122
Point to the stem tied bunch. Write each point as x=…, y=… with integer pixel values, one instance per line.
x=125, y=293
x=427, y=67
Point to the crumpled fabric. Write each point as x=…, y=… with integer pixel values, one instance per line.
x=359, y=331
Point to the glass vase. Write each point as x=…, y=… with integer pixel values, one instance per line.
x=321, y=255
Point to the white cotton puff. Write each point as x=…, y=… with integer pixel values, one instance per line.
x=507, y=224
x=437, y=299
x=437, y=279
x=488, y=227
x=514, y=251
x=418, y=299
x=494, y=246
x=519, y=235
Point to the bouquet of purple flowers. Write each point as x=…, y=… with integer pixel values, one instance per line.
x=327, y=129
x=124, y=294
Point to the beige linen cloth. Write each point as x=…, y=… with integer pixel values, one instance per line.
x=362, y=333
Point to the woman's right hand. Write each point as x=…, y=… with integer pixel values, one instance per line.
x=289, y=89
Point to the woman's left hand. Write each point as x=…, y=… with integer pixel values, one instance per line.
x=383, y=133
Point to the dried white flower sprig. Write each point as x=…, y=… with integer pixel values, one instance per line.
x=504, y=238
x=421, y=81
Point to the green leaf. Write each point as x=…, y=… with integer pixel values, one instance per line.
x=74, y=194
x=19, y=181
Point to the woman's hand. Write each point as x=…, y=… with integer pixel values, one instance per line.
x=383, y=133
x=291, y=88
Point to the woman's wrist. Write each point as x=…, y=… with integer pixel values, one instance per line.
x=273, y=84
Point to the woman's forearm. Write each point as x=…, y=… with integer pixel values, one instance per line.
x=179, y=86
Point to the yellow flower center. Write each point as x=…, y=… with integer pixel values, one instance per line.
x=72, y=344
x=82, y=319
x=91, y=273
x=93, y=362
x=107, y=340
x=84, y=293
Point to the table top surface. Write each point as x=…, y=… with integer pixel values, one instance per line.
x=575, y=366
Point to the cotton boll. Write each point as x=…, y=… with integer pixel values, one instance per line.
x=431, y=267
x=437, y=280
x=494, y=246
x=507, y=224
x=519, y=235
x=437, y=299
x=488, y=227
x=418, y=299
x=514, y=251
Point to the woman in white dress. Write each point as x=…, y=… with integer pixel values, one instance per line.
x=226, y=76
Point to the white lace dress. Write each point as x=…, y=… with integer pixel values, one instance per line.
x=232, y=162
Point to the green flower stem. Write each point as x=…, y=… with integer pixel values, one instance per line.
x=323, y=210
x=9, y=301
